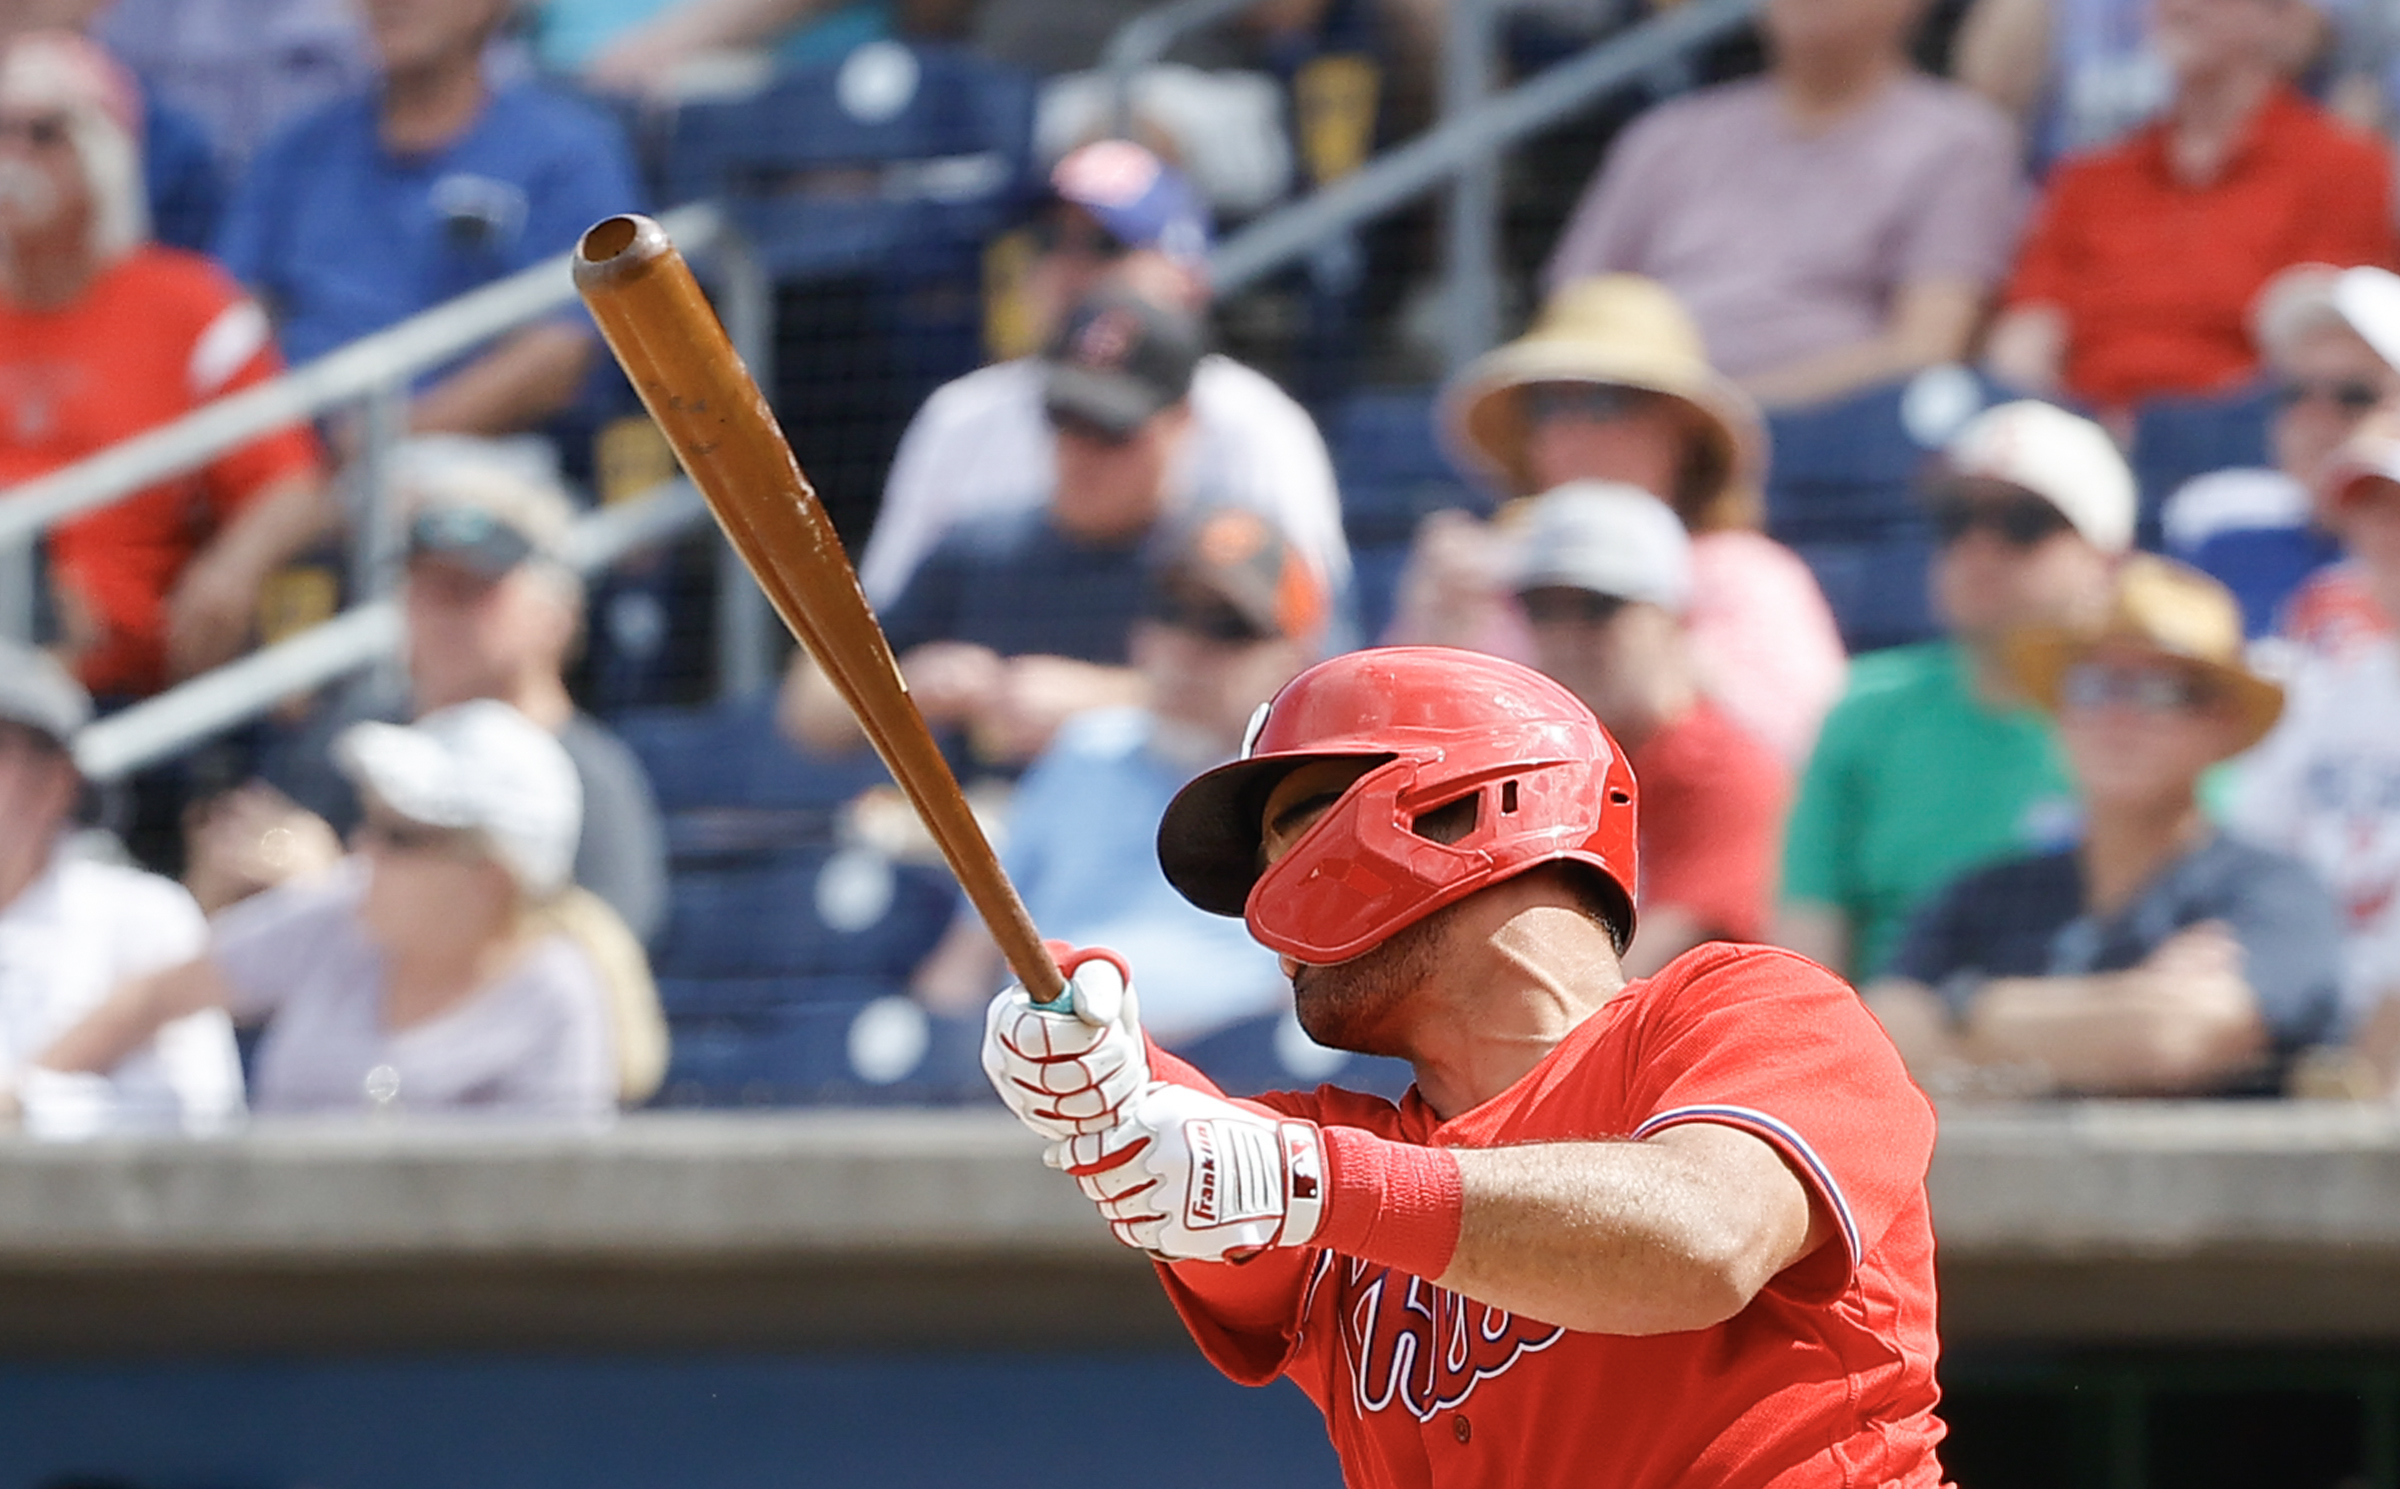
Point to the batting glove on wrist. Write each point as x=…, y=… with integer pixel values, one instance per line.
x=1071, y=1070
x=1191, y=1177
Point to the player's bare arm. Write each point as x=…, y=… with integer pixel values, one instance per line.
x=1679, y=1231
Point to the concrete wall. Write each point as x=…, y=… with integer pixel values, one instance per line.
x=2121, y=1223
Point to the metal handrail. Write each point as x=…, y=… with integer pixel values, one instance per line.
x=358, y=638
x=1465, y=143
x=360, y=369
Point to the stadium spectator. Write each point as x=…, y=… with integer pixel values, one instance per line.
x=492, y=610
x=387, y=203
x=2324, y=785
x=73, y=927
x=979, y=447
x=242, y=68
x=424, y=974
x=179, y=170
x=2144, y=258
x=2157, y=955
x=1233, y=615
x=1834, y=225
x=1604, y=575
x=1611, y=384
x=104, y=334
x=1933, y=761
x=1021, y=619
x=2256, y=529
x=655, y=48
x=2336, y=609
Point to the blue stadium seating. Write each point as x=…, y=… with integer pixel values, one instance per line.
x=827, y=1044
x=1269, y=1053
x=1392, y=472
x=2176, y=439
x=813, y=910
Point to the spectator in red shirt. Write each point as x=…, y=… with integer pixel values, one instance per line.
x=1604, y=574
x=104, y=334
x=2146, y=256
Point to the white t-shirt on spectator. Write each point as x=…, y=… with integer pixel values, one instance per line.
x=77, y=934
x=2325, y=788
x=980, y=446
x=533, y=1042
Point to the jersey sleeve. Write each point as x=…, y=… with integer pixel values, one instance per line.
x=1778, y=1047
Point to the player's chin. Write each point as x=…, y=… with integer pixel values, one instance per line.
x=1339, y=1009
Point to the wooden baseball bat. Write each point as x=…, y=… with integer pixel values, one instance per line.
x=671, y=345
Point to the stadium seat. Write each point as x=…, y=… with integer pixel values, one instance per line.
x=714, y=765
x=1391, y=472
x=2176, y=440
x=1271, y=1053
x=813, y=910
x=829, y=1050
x=2251, y=529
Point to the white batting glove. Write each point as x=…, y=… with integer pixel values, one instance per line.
x=1069, y=1071
x=1190, y=1177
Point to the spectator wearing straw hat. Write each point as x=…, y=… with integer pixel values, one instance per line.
x=425, y=974
x=2158, y=955
x=104, y=334
x=72, y=927
x=1612, y=384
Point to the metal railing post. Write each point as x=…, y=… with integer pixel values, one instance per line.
x=375, y=521
x=1471, y=258
x=18, y=592
x=745, y=623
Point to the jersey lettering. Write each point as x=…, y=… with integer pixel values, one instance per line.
x=1422, y=1348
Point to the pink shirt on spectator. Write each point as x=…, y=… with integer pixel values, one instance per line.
x=1785, y=244
x=1764, y=637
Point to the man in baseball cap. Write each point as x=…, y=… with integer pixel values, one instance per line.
x=1933, y=760
x=73, y=928
x=1698, y=1196
x=1603, y=573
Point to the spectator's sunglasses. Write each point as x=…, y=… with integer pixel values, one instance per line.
x=1596, y=402
x=2351, y=395
x=1565, y=605
x=1218, y=622
x=42, y=131
x=2146, y=689
x=398, y=835
x=2020, y=522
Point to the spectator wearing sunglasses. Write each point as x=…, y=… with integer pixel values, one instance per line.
x=1934, y=761
x=1117, y=216
x=1603, y=573
x=2326, y=784
x=426, y=974
x=2336, y=610
x=1233, y=613
x=1612, y=384
x=2157, y=955
x=1021, y=619
x=2256, y=530
x=491, y=609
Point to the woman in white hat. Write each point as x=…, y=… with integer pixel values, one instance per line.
x=1612, y=384
x=428, y=972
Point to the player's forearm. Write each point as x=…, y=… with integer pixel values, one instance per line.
x=1614, y=1238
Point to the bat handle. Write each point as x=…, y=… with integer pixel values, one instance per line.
x=1065, y=961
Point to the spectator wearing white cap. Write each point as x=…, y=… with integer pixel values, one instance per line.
x=1934, y=761
x=2335, y=609
x=2256, y=529
x=73, y=927
x=425, y=974
x=979, y=448
x=1603, y=572
x=2324, y=785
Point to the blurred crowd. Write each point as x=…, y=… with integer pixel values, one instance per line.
x=2123, y=820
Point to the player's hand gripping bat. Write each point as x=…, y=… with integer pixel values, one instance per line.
x=671, y=345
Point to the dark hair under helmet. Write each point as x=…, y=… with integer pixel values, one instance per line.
x=1547, y=782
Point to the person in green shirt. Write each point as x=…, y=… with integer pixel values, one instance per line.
x=1933, y=761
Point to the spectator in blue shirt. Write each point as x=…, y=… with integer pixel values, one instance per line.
x=385, y=204
x=2158, y=956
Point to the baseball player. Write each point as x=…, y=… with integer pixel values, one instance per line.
x=1659, y=1232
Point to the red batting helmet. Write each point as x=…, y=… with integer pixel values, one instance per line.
x=1546, y=780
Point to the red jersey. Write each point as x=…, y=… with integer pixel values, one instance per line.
x=159, y=333
x=1825, y=1380
x=2157, y=277
x=1713, y=803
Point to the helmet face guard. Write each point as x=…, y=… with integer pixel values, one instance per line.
x=1484, y=770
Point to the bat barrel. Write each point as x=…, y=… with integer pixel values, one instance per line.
x=651, y=312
